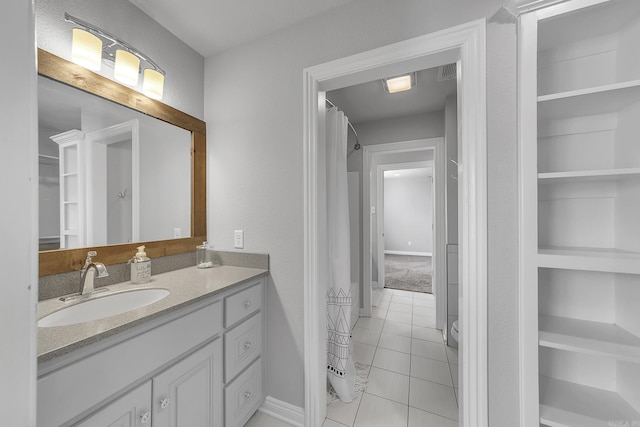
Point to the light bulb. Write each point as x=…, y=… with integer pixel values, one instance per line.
x=86, y=49
x=127, y=68
x=153, y=84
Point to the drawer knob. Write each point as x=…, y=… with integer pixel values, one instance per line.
x=247, y=345
x=247, y=395
x=247, y=304
x=144, y=418
x=164, y=402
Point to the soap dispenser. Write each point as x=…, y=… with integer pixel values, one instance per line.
x=140, y=267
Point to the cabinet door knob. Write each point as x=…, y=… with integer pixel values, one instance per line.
x=247, y=395
x=247, y=345
x=164, y=402
x=144, y=418
x=247, y=304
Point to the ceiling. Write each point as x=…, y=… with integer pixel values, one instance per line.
x=369, y=101
x=212, y=26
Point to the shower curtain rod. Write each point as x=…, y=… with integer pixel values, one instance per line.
x=357, y=146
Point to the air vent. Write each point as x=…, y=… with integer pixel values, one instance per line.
x=447, y=72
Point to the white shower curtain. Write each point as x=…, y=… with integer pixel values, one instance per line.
x=340, y=365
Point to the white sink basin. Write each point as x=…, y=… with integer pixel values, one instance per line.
x=104, y=306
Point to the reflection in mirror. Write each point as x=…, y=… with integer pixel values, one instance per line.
x=108, y=174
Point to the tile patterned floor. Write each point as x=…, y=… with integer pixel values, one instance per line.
x=412, y=375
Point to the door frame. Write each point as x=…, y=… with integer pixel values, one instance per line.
x=466, y=45
x=370, y=163
x=380, y=170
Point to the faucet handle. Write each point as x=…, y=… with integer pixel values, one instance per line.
x=88, y=261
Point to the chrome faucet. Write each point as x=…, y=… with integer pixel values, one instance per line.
x=90, y=271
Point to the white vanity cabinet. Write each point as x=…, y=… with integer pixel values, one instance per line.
x=243, y=348
x=186, y=394
x=131, y=410
x=189, y=392
x=580, y=180
x=182, y=370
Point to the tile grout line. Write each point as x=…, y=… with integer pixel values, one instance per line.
x=411, y=338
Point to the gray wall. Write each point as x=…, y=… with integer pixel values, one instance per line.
x=183, y=88
x=408, y=214
x=19, y=230
x=253, y=108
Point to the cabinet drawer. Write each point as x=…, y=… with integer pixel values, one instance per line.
x=242, y=304
x=243, y=396
x=242, y=345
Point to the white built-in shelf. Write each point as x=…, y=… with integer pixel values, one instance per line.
x=582, y=336
x=588, y=102
x=565, y=404
x=70, y=174
x=589, y=259
x=46, y=156
x=589, y=175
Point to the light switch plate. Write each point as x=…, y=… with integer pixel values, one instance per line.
x=238, y=239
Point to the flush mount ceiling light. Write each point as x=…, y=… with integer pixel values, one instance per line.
x=399, y=83
x=91, y=45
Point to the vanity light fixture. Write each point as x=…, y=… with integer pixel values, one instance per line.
x=91, y=45
x=399, y=83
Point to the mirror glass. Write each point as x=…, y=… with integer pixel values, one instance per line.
x=108, y=174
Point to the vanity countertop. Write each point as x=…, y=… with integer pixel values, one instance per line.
x=187, y=286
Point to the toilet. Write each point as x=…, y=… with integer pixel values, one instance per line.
x=454, y=330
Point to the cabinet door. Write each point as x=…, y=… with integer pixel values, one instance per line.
x=190, y=392
x=131, y=410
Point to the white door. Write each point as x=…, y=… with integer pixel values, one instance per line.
x=190, y=392
x=131, y=410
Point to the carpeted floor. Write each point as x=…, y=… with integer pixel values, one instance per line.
x=407, y=272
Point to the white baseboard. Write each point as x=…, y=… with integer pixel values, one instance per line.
x=409, y=253
x=376, y=285
x=283, y=411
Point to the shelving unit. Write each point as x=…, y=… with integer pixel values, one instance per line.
x=72, y=179
x=580, y=79
x=565, y=404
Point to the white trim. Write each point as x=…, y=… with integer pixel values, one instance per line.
x=472, y=198
x=283, y=411
x=408, y=253
x=468, y=43
x=528, y=219
x=518, y=7
x=379, y=174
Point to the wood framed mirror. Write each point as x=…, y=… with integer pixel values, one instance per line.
x=68, y=73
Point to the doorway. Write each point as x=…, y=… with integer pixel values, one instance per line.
x=406, y=250
x=376, y=159
x=465, y=45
